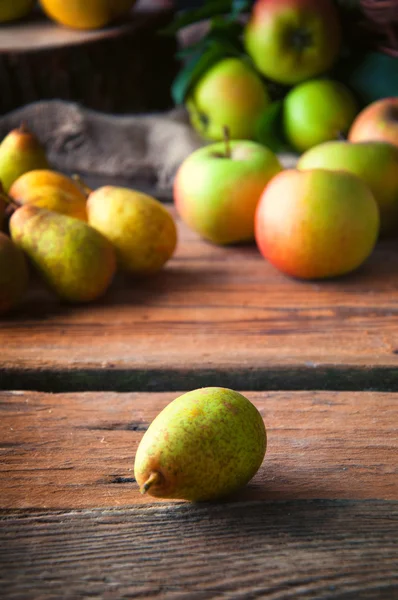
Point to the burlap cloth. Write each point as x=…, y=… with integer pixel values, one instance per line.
x=148, y=147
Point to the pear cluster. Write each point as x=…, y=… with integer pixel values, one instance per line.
x=74, y=238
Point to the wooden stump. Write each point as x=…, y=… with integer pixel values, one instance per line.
x=125, y=68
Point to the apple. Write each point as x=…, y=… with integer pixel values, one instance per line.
x=293, y=40
x=376, y=163
x=230, y=94
x=217, y=188
x=316, y=224
x=378, y=121
x=317, y=111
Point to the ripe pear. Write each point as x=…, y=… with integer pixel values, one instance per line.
x=204, y=445
x=141, y=229
x=20, y=152
x=376, y=163
x=51, y=190
x=12, y=10
x=86, y=14
x=13, y=274
x=74, y=259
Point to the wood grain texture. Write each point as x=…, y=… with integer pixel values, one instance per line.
x=212, y=310
x=77, y=450
x=295, y=550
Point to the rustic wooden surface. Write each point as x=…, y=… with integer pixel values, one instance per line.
x=77, y=450
x=213, y=315
x=318, y=521
x=278, y=551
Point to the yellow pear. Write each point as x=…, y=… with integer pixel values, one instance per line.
x=86, y=14
x=51, y=190
x=204, y=445
x=141, y=229
x=20, y=152
x=74, y=259
x=11, y=10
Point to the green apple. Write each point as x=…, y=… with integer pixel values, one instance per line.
x=230, y=94
x=293, y=40
x=316, y=224
x=376, y=163
x=317, y=111
x=217, y=188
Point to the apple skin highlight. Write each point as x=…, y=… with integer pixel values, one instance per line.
x=216, y=196
x=316, y=224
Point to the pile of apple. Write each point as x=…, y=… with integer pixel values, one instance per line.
x=323, y=218
x=319, y=220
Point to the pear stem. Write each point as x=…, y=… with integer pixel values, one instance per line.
x=227, y=140
x=23, y=127
x=80, y=182
x=153, y=479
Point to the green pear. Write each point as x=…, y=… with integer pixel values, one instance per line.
x=141, y=229
x=74, y=259
x=20, y=152
x=13, y=274
x=376, y=163
x=204, y=445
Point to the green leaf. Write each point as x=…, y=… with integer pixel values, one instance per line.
x=194, y=69
x=222, y=41
x=270, y=128
x=207, y=11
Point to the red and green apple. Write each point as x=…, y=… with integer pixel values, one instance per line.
x=217, y=188
x=316, y=224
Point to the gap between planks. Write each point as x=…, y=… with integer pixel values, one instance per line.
x=268, y=377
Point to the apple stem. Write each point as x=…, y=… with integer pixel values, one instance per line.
x=83, y=186
x=227, y=140
x=341, y=136
x=154, y=478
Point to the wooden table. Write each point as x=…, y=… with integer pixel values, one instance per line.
x=79, y=386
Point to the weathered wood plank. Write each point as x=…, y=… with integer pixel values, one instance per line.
x=213, y=310
x=330, y=550
x=77, y=450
